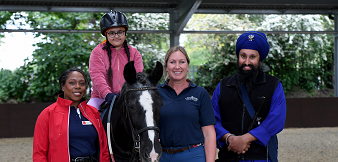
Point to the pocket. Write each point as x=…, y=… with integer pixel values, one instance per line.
x=198, y=152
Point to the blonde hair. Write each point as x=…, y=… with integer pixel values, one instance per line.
x=168, y=54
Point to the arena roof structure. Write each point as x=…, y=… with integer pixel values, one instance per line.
x=163, y=6
x=180, y=12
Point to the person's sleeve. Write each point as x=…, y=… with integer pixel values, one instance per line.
x=40, y=140
x=207, y=116
x=275, y=120
x=97, y=72
x=220, y=131
x=138, y=62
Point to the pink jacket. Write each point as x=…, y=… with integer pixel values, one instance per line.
x=51, y=138
x=99, y=65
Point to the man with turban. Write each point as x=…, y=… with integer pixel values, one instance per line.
x=249, y=106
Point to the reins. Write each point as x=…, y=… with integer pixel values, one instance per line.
x=136, y=133
x=140, y=89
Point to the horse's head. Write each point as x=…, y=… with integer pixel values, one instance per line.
x=142, y=106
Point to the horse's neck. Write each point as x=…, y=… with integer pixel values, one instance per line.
x=120, y=121
x=121, y=128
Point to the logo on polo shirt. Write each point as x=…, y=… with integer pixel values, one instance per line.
x=191, y=98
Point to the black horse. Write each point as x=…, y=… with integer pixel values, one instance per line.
x=132, y=123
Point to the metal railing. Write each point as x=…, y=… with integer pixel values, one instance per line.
x=192, y=72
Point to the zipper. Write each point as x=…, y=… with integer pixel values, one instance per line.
x=243, y=114
x=84, y=113
x=118, y=70
x=68, y=131
x=243, y=118
x=95, y=126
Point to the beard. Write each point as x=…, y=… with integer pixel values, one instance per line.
x=248, y=77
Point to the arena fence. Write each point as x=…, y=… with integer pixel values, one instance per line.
x=192, y=72
x=18, y=120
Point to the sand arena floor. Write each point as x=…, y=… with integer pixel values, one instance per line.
x=295, y=145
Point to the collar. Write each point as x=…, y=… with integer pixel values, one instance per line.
x=66, y=103
x=261, y=79
x=191, y=84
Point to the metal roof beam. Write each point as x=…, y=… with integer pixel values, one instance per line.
x=266, y=32
x=164, y=10
x=184, y=12
x=168, y=31
x=82, y=31
x=266, y=11
x=83, y=9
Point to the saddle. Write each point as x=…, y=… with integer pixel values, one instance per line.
x=104, y=107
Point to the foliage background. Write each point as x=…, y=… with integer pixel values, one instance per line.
x=38, y=77
x=301, y=61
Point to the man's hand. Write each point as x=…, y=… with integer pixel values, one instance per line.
x=238, y=144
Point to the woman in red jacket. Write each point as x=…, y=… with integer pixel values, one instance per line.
x=107, y=60
x=69, y=130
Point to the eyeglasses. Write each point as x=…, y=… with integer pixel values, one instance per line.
x=113, y=34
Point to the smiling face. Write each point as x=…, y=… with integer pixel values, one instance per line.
x=177, y=66
x=248, y=57
x=74, y=88
x=116, y=39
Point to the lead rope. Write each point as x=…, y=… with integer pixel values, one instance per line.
x=267, y=153
x=111, y=153
x=136, y=140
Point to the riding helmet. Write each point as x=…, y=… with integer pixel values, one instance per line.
x=113, y=19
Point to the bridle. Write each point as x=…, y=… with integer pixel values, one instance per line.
x=136, y=133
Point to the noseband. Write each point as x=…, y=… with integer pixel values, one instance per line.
x=136, y=133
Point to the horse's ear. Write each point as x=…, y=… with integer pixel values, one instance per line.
x=157, y=73
x=129, y=73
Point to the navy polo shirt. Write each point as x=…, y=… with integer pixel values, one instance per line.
x=183, y=115
x=82, y=135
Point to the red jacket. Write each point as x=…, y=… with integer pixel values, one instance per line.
x=51, y=139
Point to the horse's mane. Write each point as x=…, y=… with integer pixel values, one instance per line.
x=141, y=78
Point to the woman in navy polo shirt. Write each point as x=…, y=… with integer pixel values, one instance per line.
x=69, y=130
x=187, y=118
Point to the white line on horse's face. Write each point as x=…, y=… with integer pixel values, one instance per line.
x=147, y=102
